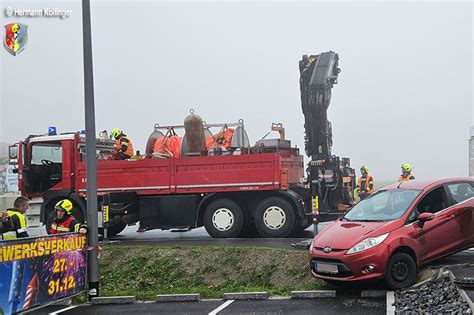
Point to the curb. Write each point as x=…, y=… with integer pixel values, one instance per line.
x=246, y=296
x=373, y=293
x=390, y=303
x=114, y=300
x=461, y=291
x=312, y=294
x=65, y=302
x=178, y=297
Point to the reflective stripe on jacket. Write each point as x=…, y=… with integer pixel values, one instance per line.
x=66, y=226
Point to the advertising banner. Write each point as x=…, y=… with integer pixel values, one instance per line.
x=36, y=271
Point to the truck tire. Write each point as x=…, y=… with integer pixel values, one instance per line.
x=275, y=217
x=223, y=218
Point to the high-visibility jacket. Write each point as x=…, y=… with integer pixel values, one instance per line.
x=368, y=184
x=124, y=145
x=65, y=225
x=405, y=179
x=5, y=226
x=19, y=225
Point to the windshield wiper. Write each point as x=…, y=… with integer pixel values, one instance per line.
x=370, y=220
x=344, y=218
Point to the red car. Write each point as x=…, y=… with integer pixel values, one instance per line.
x=395, y=231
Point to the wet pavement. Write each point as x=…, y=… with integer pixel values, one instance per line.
x=271, y=306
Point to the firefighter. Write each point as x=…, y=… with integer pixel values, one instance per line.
x=63, y=221
x=123, y=145
x=406, y=173
x=365, y=184
x=18, y=219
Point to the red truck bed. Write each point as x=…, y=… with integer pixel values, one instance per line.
x=266, y=171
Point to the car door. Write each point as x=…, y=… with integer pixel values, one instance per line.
x=438, y=236
x=462, y=196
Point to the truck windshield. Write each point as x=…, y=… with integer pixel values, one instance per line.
x=385, y=205
x=46, y=152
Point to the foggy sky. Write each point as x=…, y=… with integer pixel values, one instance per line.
x=404, y=93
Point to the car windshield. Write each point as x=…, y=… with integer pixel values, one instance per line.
x=384, y=205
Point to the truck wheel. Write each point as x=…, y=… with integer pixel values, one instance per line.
x=275, y=217
x=401, y=271
x=223, y=218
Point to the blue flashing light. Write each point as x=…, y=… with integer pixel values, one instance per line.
x=82, y=132
x=52, y=131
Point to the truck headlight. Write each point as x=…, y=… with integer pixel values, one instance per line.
x=367, y=243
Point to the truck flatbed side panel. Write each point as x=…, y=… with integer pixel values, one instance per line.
x=193, y=174
x=227, y=173
x=295, y=167
x=142, y=176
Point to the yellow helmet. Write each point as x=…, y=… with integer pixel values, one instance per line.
x=115, y=133
x=365, y=169
x=64, y=205
x=406, y=167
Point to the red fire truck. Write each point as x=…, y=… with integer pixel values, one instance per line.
x=229, y=193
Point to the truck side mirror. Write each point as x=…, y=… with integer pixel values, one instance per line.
x=13, y=154
x=425, y=216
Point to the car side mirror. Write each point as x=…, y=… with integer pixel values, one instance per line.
x=425, y=216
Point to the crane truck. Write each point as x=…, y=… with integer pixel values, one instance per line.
x=229, y=189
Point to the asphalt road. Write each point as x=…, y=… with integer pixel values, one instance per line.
x=271, y=306
x=196, y=237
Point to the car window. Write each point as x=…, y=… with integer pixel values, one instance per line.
x=461, y=191
x=433, y=202
x=384, y=205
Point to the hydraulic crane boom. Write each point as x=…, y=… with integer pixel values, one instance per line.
x=330, y=178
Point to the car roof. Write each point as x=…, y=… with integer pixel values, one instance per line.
x=426, y=184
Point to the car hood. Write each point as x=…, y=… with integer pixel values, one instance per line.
x=345, y=234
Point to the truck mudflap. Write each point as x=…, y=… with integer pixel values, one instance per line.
x=297, y=201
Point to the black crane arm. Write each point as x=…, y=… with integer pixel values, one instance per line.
x=318, y=74
x=330, y=178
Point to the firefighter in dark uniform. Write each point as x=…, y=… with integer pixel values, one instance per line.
x=64, y=222
x=365, y=184
x=18, y=219
x=123, y=145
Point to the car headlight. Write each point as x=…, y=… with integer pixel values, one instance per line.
x=367, y=243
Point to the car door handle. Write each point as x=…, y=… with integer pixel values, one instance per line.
x=449, y=217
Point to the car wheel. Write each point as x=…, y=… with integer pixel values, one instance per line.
x=401, y=271
x=223, y=218
x=275, y=217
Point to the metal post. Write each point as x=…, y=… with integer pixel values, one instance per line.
x=314, y=186
x=92, y=236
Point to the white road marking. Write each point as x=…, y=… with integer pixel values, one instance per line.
x=64, y=310
x=220, y=308
x=390, y=302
